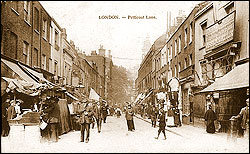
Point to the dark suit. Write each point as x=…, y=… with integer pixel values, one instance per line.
x=104, y=113
x=85, y=121
x=53, y=111
x=162, y=124
x=98, y=117
x=129, y=117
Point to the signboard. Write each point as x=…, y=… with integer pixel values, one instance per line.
x=174, y=84
x=93, y=95
x=220, y=33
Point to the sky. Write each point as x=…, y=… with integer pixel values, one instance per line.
x=124, y=37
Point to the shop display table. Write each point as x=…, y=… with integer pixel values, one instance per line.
x=25, y=128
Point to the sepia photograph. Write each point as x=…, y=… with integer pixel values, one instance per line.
x=125, y=76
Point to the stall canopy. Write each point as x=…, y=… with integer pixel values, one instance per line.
x=31, y=89
x=144, y=98
x=236, y=78
x=15, y=68
x=36, y=74
x=138, y=97
x=70, y=95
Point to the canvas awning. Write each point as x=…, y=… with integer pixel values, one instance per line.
x=25, y=87
x=70, y=95
x=138, y=97
x=15, y=68
x=147, y=96
x=236, y=78
x=36, y=74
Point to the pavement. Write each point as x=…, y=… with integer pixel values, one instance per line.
x=115, y=138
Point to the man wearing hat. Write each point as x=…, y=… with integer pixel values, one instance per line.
x=53, y=111
x=210, y=117
x=244, y=115
x=85, y=121
x=129, y=113
x=98, y=116
x=162, y=123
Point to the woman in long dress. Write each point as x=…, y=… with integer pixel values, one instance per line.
x=210, y=117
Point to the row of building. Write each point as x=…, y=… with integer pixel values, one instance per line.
x=204, y=58
x=31, y=37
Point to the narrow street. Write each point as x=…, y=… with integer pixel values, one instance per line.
x=115, y=138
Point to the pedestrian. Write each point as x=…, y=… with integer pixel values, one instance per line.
x=98, y=116
x=244, y=117
x=162, y=123
x=210, y=117
x=118, y=112
x=129, y=113
x=53, y=111
x=11, y=113
x=85, y=121
x=104, y=111
x=177, y=120
x=154, y=115
x=5, y=123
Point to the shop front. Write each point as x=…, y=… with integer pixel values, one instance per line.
x=228, y=94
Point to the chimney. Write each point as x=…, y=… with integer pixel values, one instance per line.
x=64, y=34
x=72, y=44
x=109, y=53
x=101, y=51
x=93, y=53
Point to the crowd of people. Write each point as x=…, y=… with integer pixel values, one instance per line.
x=95, y=112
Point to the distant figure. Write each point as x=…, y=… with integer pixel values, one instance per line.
x=129, y=113
x=162, y=123
x=104, y=112
x=210, y=117
x=154, y=116
x=118, y=112
x=177, y=120
x=244, y=116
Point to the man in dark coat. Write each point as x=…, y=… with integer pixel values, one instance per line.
x=210, y=117
x=53, y=111
x=98, y=116
x=154, y=116
x=244, y=117
x=5, y=123
x=129, y=113
x=162, y=123
x=85, y=121
x=104, y=111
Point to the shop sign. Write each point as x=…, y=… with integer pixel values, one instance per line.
x=220, y=33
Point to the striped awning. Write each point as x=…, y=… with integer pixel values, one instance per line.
x=236, y=78
x=15, y=68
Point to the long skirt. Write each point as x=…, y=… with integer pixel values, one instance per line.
x=210, y=126
x=131, y=125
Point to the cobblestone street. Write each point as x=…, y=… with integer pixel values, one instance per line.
x=115, y=138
